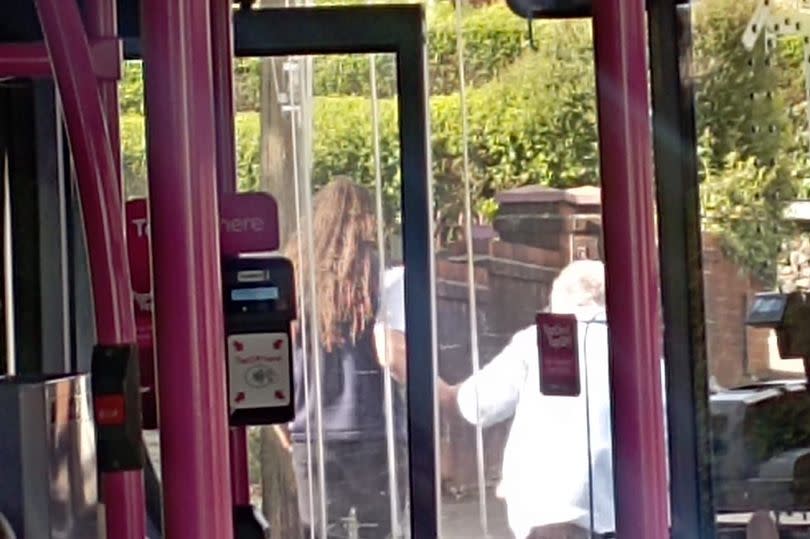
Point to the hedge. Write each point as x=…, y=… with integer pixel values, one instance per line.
x=749, y=150
x=535, y=124
x=494, y=38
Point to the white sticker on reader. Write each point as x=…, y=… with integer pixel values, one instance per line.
x=259, y=370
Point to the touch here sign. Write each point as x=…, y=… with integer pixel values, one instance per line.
x=248, y=224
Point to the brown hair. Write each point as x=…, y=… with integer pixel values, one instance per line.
x=346, y=261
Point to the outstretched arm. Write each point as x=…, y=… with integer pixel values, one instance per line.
x=487, y=397
x=491, y=395
x=391, y=353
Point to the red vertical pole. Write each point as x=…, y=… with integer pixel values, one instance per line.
x=631, y=280
x=240, y=469
x=24, y=60
x=190, y=342
x=222, y=40
x=222, y=48
x=69, y=51
x=101, y=21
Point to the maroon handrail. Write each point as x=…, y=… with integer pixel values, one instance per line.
x=102, y=208
x=631, y=274
x=189, y=329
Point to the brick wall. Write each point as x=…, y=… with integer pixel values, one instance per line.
x=569, y=222
x=512, y=283
x=735, y=352
x=539, y=231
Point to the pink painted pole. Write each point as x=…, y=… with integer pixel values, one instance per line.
x=222, y=48
x=240, y=476
x=631, y=279
x=103, y=212
x=190, y=342
x=24, y=60
x=30, y=60
x=101, y=20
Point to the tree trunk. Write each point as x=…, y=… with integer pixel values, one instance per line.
x=279, y=492
x=276, y=144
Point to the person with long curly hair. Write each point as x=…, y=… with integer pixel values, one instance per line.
x=351, y=378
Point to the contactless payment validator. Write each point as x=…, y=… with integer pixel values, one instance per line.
x=259, y=299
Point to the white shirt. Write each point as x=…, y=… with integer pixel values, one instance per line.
x=545, y=464
x=545, y=473
x=391, y=314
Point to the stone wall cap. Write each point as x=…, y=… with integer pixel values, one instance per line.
x=579, y=196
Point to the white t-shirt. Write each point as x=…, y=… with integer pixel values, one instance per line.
x=391, y=314
x=545, y=474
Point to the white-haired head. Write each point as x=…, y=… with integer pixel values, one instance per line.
x=580, y=286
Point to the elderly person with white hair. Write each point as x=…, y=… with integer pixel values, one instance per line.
x=557, y=475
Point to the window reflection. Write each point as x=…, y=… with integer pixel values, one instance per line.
x=751, y=107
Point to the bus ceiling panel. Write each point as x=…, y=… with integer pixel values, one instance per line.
x=550, y=9
x=129, y=18
x=328, y=30
x=18, y=18
x=334, y=29
x=559, y=9
x=18, y=21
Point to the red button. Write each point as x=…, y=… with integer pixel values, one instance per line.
x=110, y=410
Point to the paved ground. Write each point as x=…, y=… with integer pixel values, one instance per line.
x=460, y=518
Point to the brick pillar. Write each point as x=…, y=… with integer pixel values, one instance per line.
x=567, y=221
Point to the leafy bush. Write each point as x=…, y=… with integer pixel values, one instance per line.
x=133, y=155
x=532, y=120
x=130, y=89
x=494, y=38
x=747, y=143
x=533, y=125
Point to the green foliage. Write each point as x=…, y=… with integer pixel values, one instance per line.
x=247, y=83
x=741, y=202
x=532, y=120
x=494, y=38
x=133, y=155
x=533, y=125
x=747, y=144
x=130, y=90
x=779, y=425
x=248, y=151
x=348, y=75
